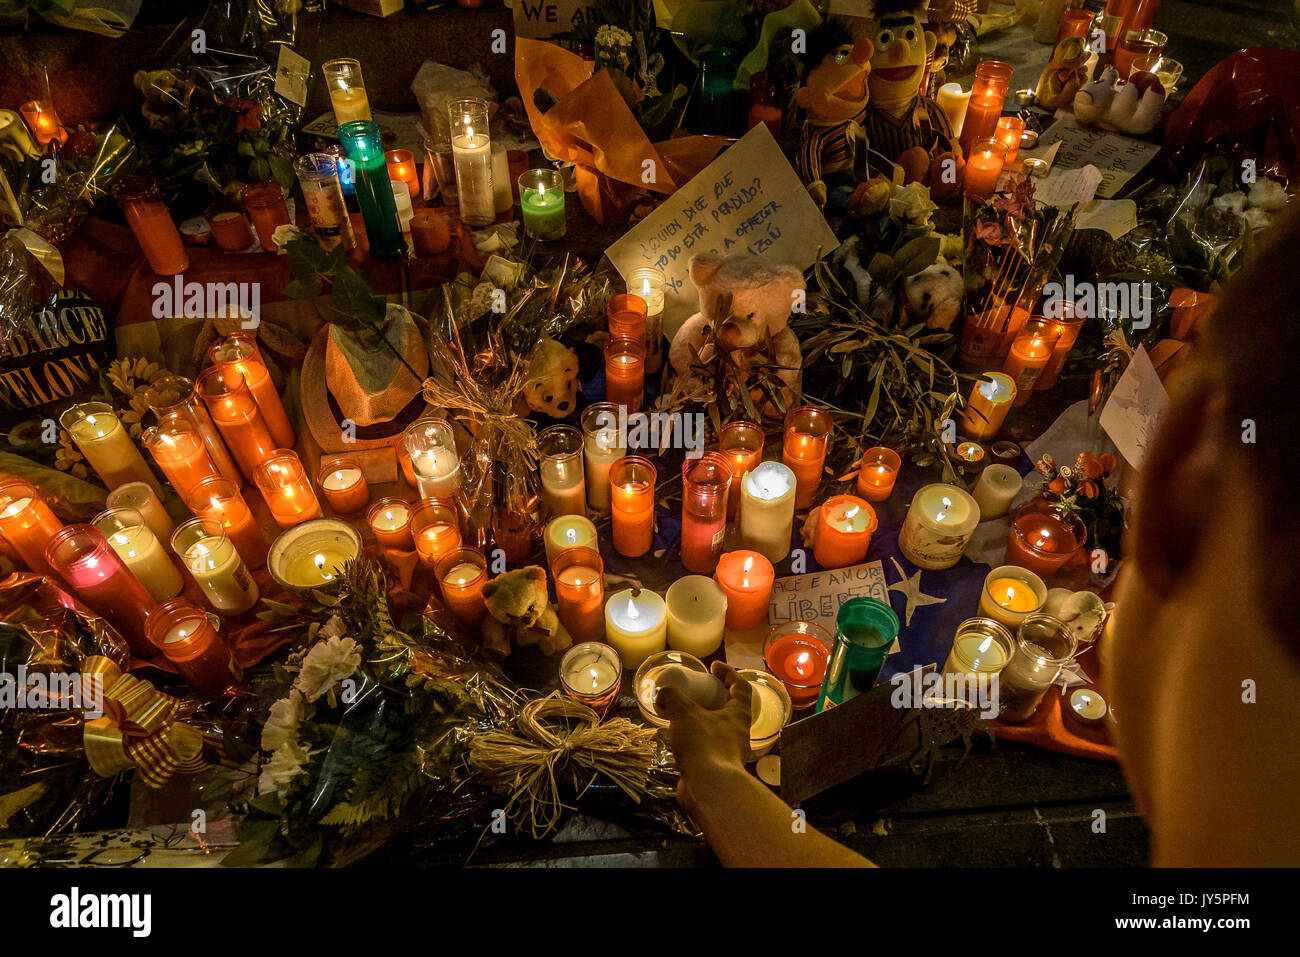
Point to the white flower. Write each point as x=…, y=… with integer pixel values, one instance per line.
x=911, y=205
x=1258, y=218
x=1267, y=194
x=285, y=765
x=328, y=663
x=282, y=723
x=333, y=628
x=1233, y=202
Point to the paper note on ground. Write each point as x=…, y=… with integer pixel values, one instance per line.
x=1067, y=187
x=1119, y=157
x=748, y=200
x=1133, y=409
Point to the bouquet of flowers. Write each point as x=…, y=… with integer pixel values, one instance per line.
x=1081, y=488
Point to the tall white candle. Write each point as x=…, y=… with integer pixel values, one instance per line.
x=568, y=531
x=636, y=625
x=601, y=449
x=697, y=615
x=503, y=196
x=101, y=438
x=564, y=489
x=953, y=101
x=471, y=150
x=144, y=555
x=767, y=509
x=217, y=568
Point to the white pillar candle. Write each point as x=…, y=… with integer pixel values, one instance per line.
x=141, y=552
x=141, y=497
x=953, y=101
x=104, y=442
x=568, y=531
x=602, y=447
x=503, y=196
x=636, y=625
x=938, y=526
x=767, y=509
x=437, y=472
x=996, y=489
x=471, y=150
x=697, y=615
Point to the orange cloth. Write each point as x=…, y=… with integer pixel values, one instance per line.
x=1051, y=728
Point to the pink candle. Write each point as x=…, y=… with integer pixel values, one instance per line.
x=82, y=556
x=705, y=484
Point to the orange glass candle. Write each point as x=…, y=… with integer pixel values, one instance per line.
x=219, y=498
x=461, y=575
x=988, y=405
x=230, y=229
x=287, y=489
x=706, y=482
x=580, y=592
x=343, y=484
x=174, y=393
x=183, y=632
x=625, y=373
x=1043, y=537
x=632, y=497
x=390, y=522
x=807, y=434
x=401, y=167
x=239, y=351
x=1030, y=352
x=1075, y=22
x=429, y=232
x=747, y=579
x=236, y=416
x=988, y=96
x=177, y=446
x=1009, y=131
x=151, y=224
x=264, y=202
x=742, y=445
x=983, y=169
x=1069, y=321
x=43, y=120
x=435, y=526
x=1138, y=44
x=878, y=473
x=844, y=527
x=627, y=316
x=27, y=523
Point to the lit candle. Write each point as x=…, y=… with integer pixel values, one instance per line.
x=471, y=149
x=648, y=283
x=987, y=408
x=797, y=653
x=313, y=554
x=970, y=460
x=143, y=499
x=27, y=523
x=953, y=101
x=211, y=559
x=984, y=106
x=564, y=490
x=1030, y=352
x=1087, y=707
x=742, y=444
x=236, y=415
x=43, y=120
x=219, y=499
x=541, y=201
x=239, y=351
x=435, y=526
x=287, y=489
x=878, y=473
x=1043, y=537
x=996, y=489
x=344, y=485
x=174, y=393
x=706, y=482
x=580, y=592
x=697, y=615
x=101, y=438
x=1043, y=646
x=807, y=433
x=625, y=373
x=151, y=224
x=401, y=167
x=1008, y=133
x=322, y=192
x=390, y=522
x=1069, y=321
x=185, y=635
x=747, y=579
x=431, y=444
x=636, y=624
x=568, y=531
x=844, y=527
x=347, y=90
x=767, y=510
x=981, y=646
x=632, y=488
x=626, y=317
x=769, y=710
x=938, y=526
x=82, y=557
x=603, y=444
x=591, y=674
x=178, y=448
x=1010, y=593
x=461, y=575
x=983, y=169
x=141, y=552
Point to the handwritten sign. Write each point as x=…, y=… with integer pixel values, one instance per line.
x=540, y=19
x=1119, y=157
x=1133, y=410
x=748, y=200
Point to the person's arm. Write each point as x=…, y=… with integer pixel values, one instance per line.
x=745, y=823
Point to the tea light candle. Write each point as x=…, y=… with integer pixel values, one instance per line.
x=981, y=646
x=27, y=523
x=844, y=527
x=82, y=557
x=938, y=526
x=541, y=200
x=237, y=417
x=471, y=148
x=1043, y=537
x=591, y=673
x=625, y=373
x=705, y=485
x=390, y=522
x=1010, y=594
x=807, y=433
x=636, y=624
x=970, y=458
x=747, y=578
x=983, y=169
x=1087, y=706
x=568, y=531
x=742, y=444
x=603, y=444
x=344, y=485
x=988, y=405
x=767, y=510
x=219, y=499
x=347, y=90
x=143, y=499
x=141, y=552
x=878, y=473
x=96, y=431
x=434, y=460
x=287, y=489
x=178, y=448
x=953, y=101
x=632, y=490
x=186, y=636
x=797, y=653
x=435, y=526
x=401, y=167
x=580, y=592
x=1031, y=350
x=461, y=575
x=996, y=489
x=564, y=488
x=697, y=615
x=313, y=554
x=211, y=559
x=239, y=351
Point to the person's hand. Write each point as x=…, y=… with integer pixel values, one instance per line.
x=706, y=743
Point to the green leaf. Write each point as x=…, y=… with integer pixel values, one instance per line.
x=255, y=840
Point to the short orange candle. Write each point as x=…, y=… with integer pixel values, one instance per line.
x=747, y=579
x=625, y=373
x=1009, y=131
x=461, y=575
x=429, y=232
x=627, y=314
x=632, y=497
x=219, y=498
x=878, y=473
x=287, y=489
x=742, y=444
x=177, y=446
x=151, y=224
x=235, y=414
x=343, y=483
x=807, y=433
x=844, y=527
x=264, y=202
x=1030, y=352
x=983, y=169
x=1069, y=319
x=580, y=592
x=27, y=523
x=435, y=526
x=390, y=522
x=401, y=167
x=239, y=351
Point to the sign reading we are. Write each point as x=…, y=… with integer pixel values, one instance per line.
x=540, y=19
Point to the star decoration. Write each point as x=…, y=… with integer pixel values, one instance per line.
x=911, y=588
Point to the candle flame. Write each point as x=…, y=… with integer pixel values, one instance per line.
x=853, y=511
x=320, y=561
x=572, y=535
x=541, y=192
x=749, y=563
x=645, y=288
x=984, y=645
x=943, y=512
x=1011, y=593
x=632, y=613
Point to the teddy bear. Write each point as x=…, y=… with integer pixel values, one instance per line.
x=1064, y=75
x=744, y=303
x=519, y=614
x=1133, y=107
x=552, y=385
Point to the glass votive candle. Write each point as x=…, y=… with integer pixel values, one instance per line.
x=43, y=120
x=214, y=564
x=632, y=500
x=178, y=449
x=390, y=522
x=26, y=522
x=697, y=615
x=645, y=683
x=1168, y=72
x=769, y=710
x=706, y=483
x=592, y=674
x=1069, y=321
x=741, y=443
x=995, y=490
x=541, y=200
x=239, y=351
x=218, y=498
x=981, y=646
x=1031, y=350
x=983, y=168
x=401, y=167
x=797, y=653
x=568, y=531
x=649, y=283
x=96, y=430
x=82, y=557
x=322, y=193
x=188, y=638
x=1134, y=45
x=1010, y=594
x=564, y=487
x=987, y=98
x=286, y=489
x=626, y=317
x=747, y=578
x=865, y=630
x=807, y=434
x=988, y=405
x=264, y=203
x=878, y=473
x=143, y=499
x=1009, y=131
x=579, y=575
x=844, y=527
x=435, y=526
x=1043, y=537
x=174, y=393
x=625, y=373
x=1043, y=647
x=347, y=90
x=636, y=624
x=141, y=552
x=1075, y=22
x=602, y=444
x=235, y=413
x=229, y=227
x=313, y=555
x=938, y=526
x=461, y=575
x=767, y=509
x=435, y=462
x=151, y=224
x=471, y=150
x=343, y=483
x=969, y=458
x=364, y=143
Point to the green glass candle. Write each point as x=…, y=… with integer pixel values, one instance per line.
x=865, y=628
x=365, y=148
x=717, y=85
x=541, y=199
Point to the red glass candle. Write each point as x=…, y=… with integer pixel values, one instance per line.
x=390, y=522
x=742, y=445
x=229, y=227
x=797, y=653
x=1030, y=352
x=461, y=575
x=151, y=224
x=878, y=473
x=706, y=482
x=988, y=95
x=807, y=433
x=1138, y=46
x=1009, y=131
x=747, y=579
x=183, y=632
x=43, y=120
x=580, y=592
x=179, y=450
x=844, y=527
x=627, y=316
x=84, y=559
x=287, y=489
x=264, y=202
x=435, y=526
x=1139, y=15
x=27, y=523
x=1043, y=537
x=343, y=484
x=401, y=167
x=983, y=169
x=1069, y=321
x=632, y=500
x=234, y=411
x=764, y=106
x=625, y=372
x=218, y=498
x=239, y=351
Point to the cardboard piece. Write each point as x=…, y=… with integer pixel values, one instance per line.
x=817, y=596
x=1119, y=157
x=541, y=19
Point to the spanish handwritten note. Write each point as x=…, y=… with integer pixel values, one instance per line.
x=817, y=596
x=748, y=200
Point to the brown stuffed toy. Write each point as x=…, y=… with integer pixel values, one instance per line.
x=519, y=614
x=1064, y=75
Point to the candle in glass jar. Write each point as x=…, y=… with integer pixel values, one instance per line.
x=26, y=522
x=174, y=393
x=401, y=167
x=43, y=120
x=471, y=148
x=141, y=552
x=767, y=510
x=390, y=522
x=742, y=444
x=185, y=635
x=938, y=526
x=632, y=499
x=988, y=95
x=265, y=205
x=706, y=482
x=431, y=444
x=229, y=228
x=435, y=526
x=797, y=653
x=996, y=489
x=747, y=578
x=347, y=90
x=322, y=192
x=844, y=527
x=236, y=415
x=1031, y=350
x=591, y=674
x=648, y=283
x=564, y=490
x=626, y=317
x=98, y=433
x=988, y=405
x=286, y=489
x=219, y=499
x=636, y=625
x=179, y=450
x=981, y=646
x=983, y=169
x=239, y=351
x=541, y=202
x=625, y=373
x=344, y=485
x=213, y=562
x=568, y=531
x=697, y=615
x=502, y=194
x=363, y=141
x=151, y=224
x=1010, y=594
x=461, y=575
x=1008, y=133
x=1043, y=646
x=143, y=499
x=82, y=557
x=807, y=433
x=1043, y=537
x=878, y=473
x=580, y=592
x=603, y=444
x=1068, y=320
